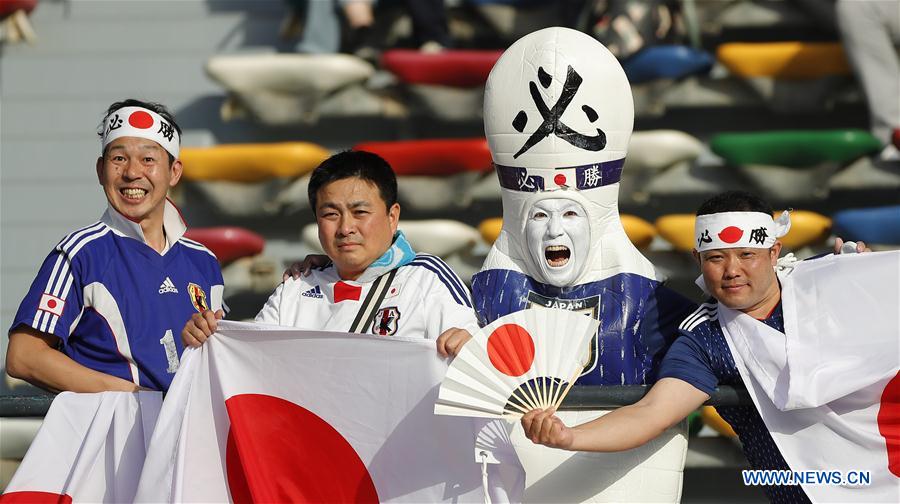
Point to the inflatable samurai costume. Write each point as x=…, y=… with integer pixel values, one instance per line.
x=558, y=116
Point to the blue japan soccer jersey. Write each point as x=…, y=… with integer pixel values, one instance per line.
x=117, y=305
x=638, y=318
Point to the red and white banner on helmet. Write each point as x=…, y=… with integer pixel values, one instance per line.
x=739, y=230
x=142, y=123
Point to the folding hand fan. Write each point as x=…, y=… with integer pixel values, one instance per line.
x=526, y=360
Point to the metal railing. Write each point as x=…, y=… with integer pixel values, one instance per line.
x=579, y=398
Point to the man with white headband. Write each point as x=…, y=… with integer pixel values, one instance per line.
x=105, y=310
x=737, y=250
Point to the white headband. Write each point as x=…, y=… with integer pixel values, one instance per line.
x=142, y=123
x=739, y=229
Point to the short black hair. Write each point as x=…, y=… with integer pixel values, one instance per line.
x=735, y=201
x=131, y=102
x=352, y=163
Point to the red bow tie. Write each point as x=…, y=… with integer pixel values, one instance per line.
x=344, y=291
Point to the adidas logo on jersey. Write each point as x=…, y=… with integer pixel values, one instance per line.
x=315, y=292
x=167, y=287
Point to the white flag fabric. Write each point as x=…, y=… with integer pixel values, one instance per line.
x=271, y=414
x=828, y=388
x=90, y=448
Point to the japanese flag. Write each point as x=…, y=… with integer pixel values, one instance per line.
x=90, y=448
x=275, y=415
x=51, y=304
x=828, y=388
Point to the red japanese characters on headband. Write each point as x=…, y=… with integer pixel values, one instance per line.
x=142, y=123
x=739, y=229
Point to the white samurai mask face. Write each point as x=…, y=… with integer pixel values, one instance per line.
x=558, y=237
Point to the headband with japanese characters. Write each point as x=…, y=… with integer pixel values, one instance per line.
x=739, y=229
x=142, y=123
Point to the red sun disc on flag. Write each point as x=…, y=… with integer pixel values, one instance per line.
x=51, y=303
x=511, y=349
x=34, y=498
x=278, y=451
x=889, y=423
x=731, y=234
x=559, y=179
x=140, y=119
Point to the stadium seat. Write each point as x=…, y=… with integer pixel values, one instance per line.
x=433, y=157
x=876, y=226
x=784, y=60
x=228, y=243
x=251, y=162
x=712, y=418
x=666, y=62
x=454, y=68
x=797, y=148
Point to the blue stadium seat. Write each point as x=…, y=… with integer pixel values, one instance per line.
x=666, y=62
x=878, y=225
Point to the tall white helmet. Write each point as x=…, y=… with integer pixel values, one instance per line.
x=558, y=116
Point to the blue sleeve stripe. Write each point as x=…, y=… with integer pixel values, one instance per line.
x=446, y=275
x=438, y=273
x=61, y=269
x=60, y=279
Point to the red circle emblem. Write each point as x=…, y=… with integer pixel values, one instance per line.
x=51, y=303
x=289, y=454
x=511, y=349
x=560, y=179
x=731, y=234
x=140, y=119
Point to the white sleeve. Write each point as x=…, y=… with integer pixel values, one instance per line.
x=270, y=312
x=448, y=304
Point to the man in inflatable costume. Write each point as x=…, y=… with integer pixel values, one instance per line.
x=558, y=117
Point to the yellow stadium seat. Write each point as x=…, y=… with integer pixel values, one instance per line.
x=784, y=60
x=711, y=418
x=251, y=162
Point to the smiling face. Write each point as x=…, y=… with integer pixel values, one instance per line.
x=558, y=235
x=136, y=176
x=742, y=278
x=355, y=225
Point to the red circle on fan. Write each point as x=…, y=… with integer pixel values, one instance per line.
x=731, y=234
x=511, y=349
x=889, y=423
x=278, y=451
x=140, y=119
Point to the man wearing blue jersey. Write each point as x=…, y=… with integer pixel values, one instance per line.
x=105, y=309
x=737, y=249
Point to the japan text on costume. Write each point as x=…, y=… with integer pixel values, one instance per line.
x=558, y=116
